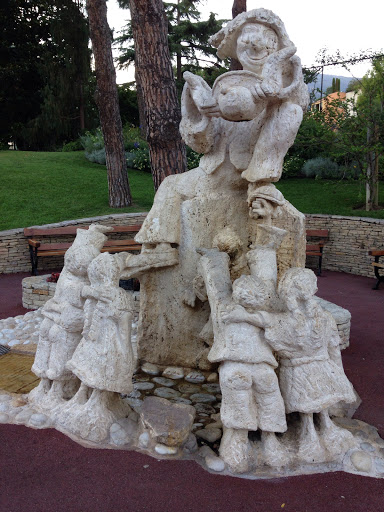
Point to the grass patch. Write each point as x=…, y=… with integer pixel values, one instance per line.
x=329, y=197
x=40, y=188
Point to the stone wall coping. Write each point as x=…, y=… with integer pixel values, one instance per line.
x=370, y=220
x=87, y=220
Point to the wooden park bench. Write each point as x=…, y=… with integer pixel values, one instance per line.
x=316, y=239
x=377, y=253
x=39, y=249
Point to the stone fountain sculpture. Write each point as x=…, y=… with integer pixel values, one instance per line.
x=223, y=288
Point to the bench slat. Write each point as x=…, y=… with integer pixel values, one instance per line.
x=375, y=252
x=121, y=248
x=313, y=247
x=317, y=232
x=44, y=248
x=380, y=265
x=72, y=230
x=38, y=249
x=120, y=242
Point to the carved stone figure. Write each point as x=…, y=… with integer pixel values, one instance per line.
x=60, y=331
x=103, y=360
x=311, y=374
x=191, y=208
x=223, y=287
x=250, y=390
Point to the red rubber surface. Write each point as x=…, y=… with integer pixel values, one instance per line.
x=44, y=471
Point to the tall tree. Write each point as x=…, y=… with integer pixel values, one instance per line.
x=188, y=44
x=108, y=103
x=370, y=105
x=155, y=75
x=187, y=38
x=238, y=7
x=44, y=72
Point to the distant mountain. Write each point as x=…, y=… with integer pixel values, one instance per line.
x=327, y=82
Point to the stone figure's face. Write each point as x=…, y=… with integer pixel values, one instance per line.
x=103, y=270
x=305, y=286
x=249, y=292
x=77, y=259
x=255, y=43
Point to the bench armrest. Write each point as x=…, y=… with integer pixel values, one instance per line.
x=33, y=243
x=374, y=252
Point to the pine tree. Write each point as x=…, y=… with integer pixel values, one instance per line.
x=238, y=7
x=187, y=37
x=108, y=103
x=155, y=76
x=45, y=73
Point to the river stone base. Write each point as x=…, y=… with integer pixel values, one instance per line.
x=200, y=390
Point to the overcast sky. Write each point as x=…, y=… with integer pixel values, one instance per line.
x=348, y=26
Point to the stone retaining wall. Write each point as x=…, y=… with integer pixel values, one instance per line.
x=346, y=251
x=14, y=250
x=350, y=239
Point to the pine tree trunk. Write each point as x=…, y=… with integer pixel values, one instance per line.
x=155, y=75
x=370, y=183
x=108, y=104
x=141, y=107
x=376, y=174
x=237, y=7
x=81, y=107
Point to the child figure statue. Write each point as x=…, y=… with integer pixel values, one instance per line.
x=103, y=360
x=311, y=375
x=251, y=397
x=63, y=322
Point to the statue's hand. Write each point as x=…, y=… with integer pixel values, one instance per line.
x=237, y=315
x=257, y=92
x=270, y=87
x=202, y=95
x=189, y=298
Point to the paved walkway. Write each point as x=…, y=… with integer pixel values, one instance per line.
x=44, y=471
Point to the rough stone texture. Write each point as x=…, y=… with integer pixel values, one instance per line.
x=213, y=205
x=21, y=330
x=252, y=317
x=342, y=318
x=350, y=239
x=37, y=290
x=168, y=423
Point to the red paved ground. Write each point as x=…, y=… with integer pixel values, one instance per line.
x=43, y=471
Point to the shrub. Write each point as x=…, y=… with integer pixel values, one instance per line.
x=133, y=139
x=350, y=172
x=321, y=168
x=193, y=158
x=97, y=156
x=292, y=166
x=92, y=141
x=141, y=160
x=75, y=145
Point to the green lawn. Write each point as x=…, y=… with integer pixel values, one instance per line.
x=331, y=197
x=40, y=188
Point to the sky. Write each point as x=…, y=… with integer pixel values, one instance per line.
x=349, y=26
